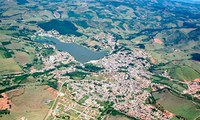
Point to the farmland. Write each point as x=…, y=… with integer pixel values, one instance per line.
x=117, y=117
x=32, y=104
x=177, y=105
x=184, y=73
x=9, y=66
x=2, y=54
x=15, y=45
x=23, y=58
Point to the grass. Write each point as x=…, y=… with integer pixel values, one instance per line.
x=77, y=75
x=73, y=113
x=47, y=52
x=31, y=104
x=99, y=77
x=13, y=11
x=193, y=64
x=184, y=73
x=90, y=68
x=4, y=53
x=15, y=45
x=4, y=38
x=23, y=58
x=177, y=105
x=9, y=66
x=82, y=100
x=158, y=57
x=117, y=117
x=172, y=84
x=2, y=56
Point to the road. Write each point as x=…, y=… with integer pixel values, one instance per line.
x=51, y=109
x=54, y=103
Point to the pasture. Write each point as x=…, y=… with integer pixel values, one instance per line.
x=177, y=105
x=32, y=104
x=9, y=66
x=23, y=58
x=184, y=73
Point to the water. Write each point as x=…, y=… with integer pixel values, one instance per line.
x=22, y=2
x=82, y=23
x=80, y=53
x=142, y=46
x=195, y=56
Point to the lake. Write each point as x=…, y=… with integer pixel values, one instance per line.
x=82, y=23
x=195, y=56
x=22, y=2
x=80, y=53
x=142, y=46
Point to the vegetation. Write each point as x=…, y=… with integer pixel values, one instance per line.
x=179, y=106
x=4, y=112
x=19, y=79
x=174, y=85
x=63, y=27
x=65, y=65
x=5, y=54
x=90, y=67
x=82, y=100
x=77, y=75
x=9, y=66
x=184, y=73
x=38, y=64
x=47, y=51
x=23, y=58
x=108, y=110
x=32, y=100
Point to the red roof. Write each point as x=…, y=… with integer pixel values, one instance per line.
x=197, y=80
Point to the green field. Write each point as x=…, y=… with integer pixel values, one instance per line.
x=174, y=85
x=15, y=45
x=184, y=73
x=177, y=105
x=2, y=56
x=82, y=100
x=193, y=64
x=77, y=75
x=9, y=66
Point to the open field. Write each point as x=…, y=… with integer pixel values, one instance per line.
x=117, y=117
x=2, y=56
x=184, y=73
x=15, y=45
x=12, y=11
x=77, y=75
x=163, y=57
x=4, y=37
x=32, y=104
x=176, y=105
x=21, y=45
x=193, y=64
x=23, y=58
x=9, y=66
